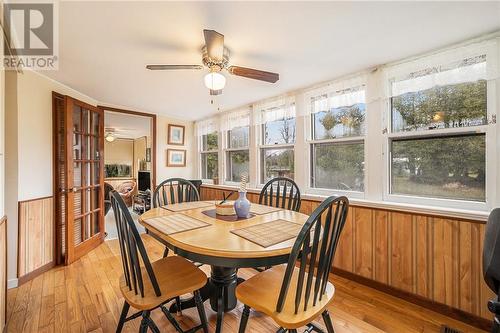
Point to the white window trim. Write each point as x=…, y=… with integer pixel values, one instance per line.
x=353, y=81
x=491, y=160
x=226, y=150
x=200, y=159
x=259, y=143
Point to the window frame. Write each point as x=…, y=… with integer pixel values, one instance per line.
x=490, y=156
x=311, y=141
x=227, y=149
x=209, y=151
x=262, y=146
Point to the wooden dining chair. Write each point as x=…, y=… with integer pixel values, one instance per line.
x=294, y=296
x=150, y=286
x=174, y=190
x=281, y=192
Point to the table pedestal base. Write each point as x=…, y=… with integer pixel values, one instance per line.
x=220, y=289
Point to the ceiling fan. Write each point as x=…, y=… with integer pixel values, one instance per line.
x=112, y=133
x=215, y=56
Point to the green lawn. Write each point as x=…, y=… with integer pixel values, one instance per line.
x=402, y=185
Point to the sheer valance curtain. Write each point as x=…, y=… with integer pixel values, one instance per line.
x=207, y=126
x=340, y=93
x=234, y=119
x=278, y=108
x=473, y=62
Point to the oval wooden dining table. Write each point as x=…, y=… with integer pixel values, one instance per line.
x=224, y=251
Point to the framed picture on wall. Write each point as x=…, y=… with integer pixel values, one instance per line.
x=148, y=154
x=176, y=157
x=175, y=134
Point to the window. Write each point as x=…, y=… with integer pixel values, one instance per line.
x=238, y=156
x=209, y=156
x=277, y=163
x=444, y=167
x=435, y=150
x=337, y=147
x=338, y=166
x=278, y=139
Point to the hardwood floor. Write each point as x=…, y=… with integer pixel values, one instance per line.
x=85, y=297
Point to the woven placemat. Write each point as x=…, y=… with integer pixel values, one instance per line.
x=269, y=233
x=179, y=207
x=175, y=223
x=261, y=210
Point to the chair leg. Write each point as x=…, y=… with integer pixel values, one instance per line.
x=292, y=331
x=144, y=322
x=171, y=319
x=201, y=311
x=281, y=330
x=179, y=305
x=244, y=319
x=152, y=326
x=165, y=252
x=328, y=321
x=123, y=316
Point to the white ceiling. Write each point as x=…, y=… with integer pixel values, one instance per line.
x=104, y=46
x=127, y=126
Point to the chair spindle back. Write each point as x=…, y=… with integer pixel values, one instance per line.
x=175, y=190
x=315, y=257
x=281, y=192
x=131, y=248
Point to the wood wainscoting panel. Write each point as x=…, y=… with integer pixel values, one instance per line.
x=433, y=258
x=363, y=242
x=401, y=251
x=3, y=272
x=36, y=235
x=381, y=246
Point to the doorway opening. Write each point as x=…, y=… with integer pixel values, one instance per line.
x=129, y=162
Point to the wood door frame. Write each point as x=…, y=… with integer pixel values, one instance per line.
x=55, y=184
x=153, y=134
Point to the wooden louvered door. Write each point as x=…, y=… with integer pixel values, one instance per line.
x=79, y=183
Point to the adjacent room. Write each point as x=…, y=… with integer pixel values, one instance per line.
x=127, y=164
x=260, y=166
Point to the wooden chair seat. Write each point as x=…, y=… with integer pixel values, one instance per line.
x=261, y=293
x=176, y=276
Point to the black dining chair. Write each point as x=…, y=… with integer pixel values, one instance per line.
x=294, y=296
x=281, y=192
x=174, y=190
x=491, y=264
x=150, y=286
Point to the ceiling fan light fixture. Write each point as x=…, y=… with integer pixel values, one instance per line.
x=215, y=81
x=110, y=137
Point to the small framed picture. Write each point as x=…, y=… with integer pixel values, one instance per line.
x=176, y=157
x=148, y=154
x=175, y=135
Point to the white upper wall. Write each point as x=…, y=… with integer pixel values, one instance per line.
x=34, y=93
x=305, y=42
x=162, y=171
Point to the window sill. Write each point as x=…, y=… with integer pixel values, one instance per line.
x=480, y=216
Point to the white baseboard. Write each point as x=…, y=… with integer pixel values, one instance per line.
x=12, y=283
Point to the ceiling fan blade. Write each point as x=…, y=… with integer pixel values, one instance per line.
x=254, y=74
x=214, y=42
x=172, y=67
